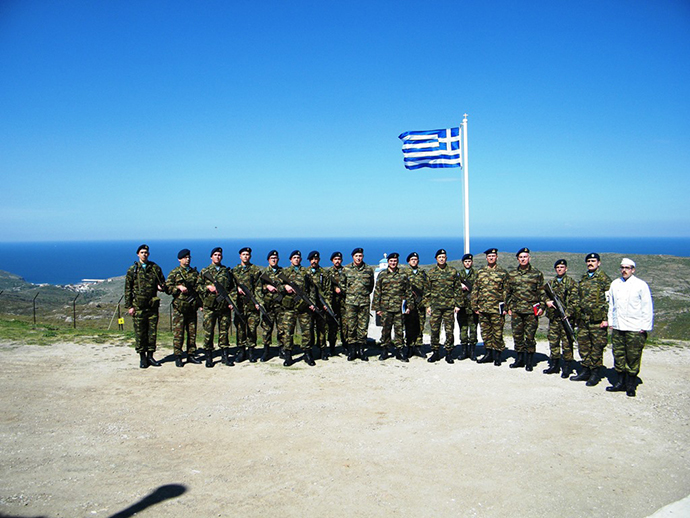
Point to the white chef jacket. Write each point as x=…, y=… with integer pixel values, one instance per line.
x=630, y=305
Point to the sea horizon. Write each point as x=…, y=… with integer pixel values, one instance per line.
x=69, y=262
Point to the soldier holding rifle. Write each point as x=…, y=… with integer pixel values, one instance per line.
x=182, y=282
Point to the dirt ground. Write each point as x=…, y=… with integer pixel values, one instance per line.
x=85, y=432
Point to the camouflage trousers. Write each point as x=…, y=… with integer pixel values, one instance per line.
x=591, y=341
x=492, y=330
x=557, y=340
x=184, y=322
x=223, y=318
x=319, y=330
x=414, y=327
x=468, y=321
x=275, y=311
x=357, y=323
x=392, y=321
x=145, y=330
x=627, y=350
x=288, y=322
x=333, y=328
x=246, y=333
x=445, y=316
x=524, y=326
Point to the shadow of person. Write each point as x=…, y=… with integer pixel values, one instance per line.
x=159, y=495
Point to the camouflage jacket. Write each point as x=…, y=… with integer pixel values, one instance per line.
x=270, y=276
x=419, y=284
x=444, y=284
x=467, y=278
x=249, y=277
x=489, y=289
x=592, y=294
x=392, y=287
x=321, y=278
x=566, y=291
x=300, y=278
x=221, y=274
x=525, y=288
x=359, y=283
x=141, y=285
x=337, y=276
x=189, y=278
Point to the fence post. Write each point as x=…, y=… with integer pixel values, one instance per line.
x=34, y=304
x=74, y=311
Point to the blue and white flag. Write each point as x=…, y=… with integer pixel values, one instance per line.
x=435, y=148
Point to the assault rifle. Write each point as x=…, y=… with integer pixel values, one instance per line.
x=192, y=294
x=567, y=327
x=267, y=280
x=222, y=295
x=248, y=293
x=468, y=284
x=325, y=304
x=300, y=294
x=417, y=293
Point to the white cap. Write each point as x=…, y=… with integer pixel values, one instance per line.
x=627, y=262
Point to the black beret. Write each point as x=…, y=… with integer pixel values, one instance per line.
x=183, y=253
x=560, y=261
x=294, y=253
x=245, y=249
x=312, y=254
x=336, y=254
x=393, y=255
x=467, y=256
x=142, y=247
x=491, y=251
x=217, y=249
x=413, y=254
x=440, y=251
x=524, y=250
x=357, y=251
x=271, y=254
x=593, y=255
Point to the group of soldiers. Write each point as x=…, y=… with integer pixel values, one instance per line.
x=337, y=303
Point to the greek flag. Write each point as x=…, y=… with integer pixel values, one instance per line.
x=435, y=148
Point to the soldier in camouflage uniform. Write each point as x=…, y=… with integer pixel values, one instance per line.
x=359, y=283
x=217, y=311
x=525, y=302
x=247, y=274
x=336, y=275
x=442, y=301
x=415, y=320
x=321, y=281
x=488, y=297
x=592, y=333
x=468, y=320
x=143, y=281
x=565, y=289
x=182, y=282
x=296, y=308
x=270, y=294
x=392, y=299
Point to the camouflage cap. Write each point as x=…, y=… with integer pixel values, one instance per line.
x=413, y=254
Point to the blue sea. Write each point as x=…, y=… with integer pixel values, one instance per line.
x=69, y=262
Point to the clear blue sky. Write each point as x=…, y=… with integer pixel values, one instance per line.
x=166, y=119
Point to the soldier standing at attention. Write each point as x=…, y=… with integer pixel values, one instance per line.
x=143, y=281
x=565, y=289
x=271, y=295
x=296, y=309
x=593, y=327
x=248, y=275
x=217, y=310
x=488, y=301
x=182, y=282
x=359, y=283
x=321, y=281
x=392, y=296
x=415, y=320
x=631, y=317
x=337, y=275
x=467, y=319
x=525, y=302
x=442, y=301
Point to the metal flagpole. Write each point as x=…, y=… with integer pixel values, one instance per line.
x=466, y=170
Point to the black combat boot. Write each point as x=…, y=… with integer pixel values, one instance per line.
x=519, y=361
x=209, y=358
x=351, y=354
x=582, y=376
x=449, y=356
x=281, y=352
x=435, y=356
x=143, y=361
x=594, y=377
x=553, y=367
x=362, y=354
x=529, y=362
x=630, y=383
x=152, y=360
x=250, y=355
x=418, y=352
x=473, y=352
x=497, y=357
x=331, y=350
x=384, y=353
x=266, y=354
x=324, y=354
x=567, y=368
x=463, y=352
x=191, y=358
x=178, y=361
x=488, y=356
x=401, y=354
x=288, y=357
x=241, y=354
x=227, y=360
x=308, y=359
x=621, y=385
